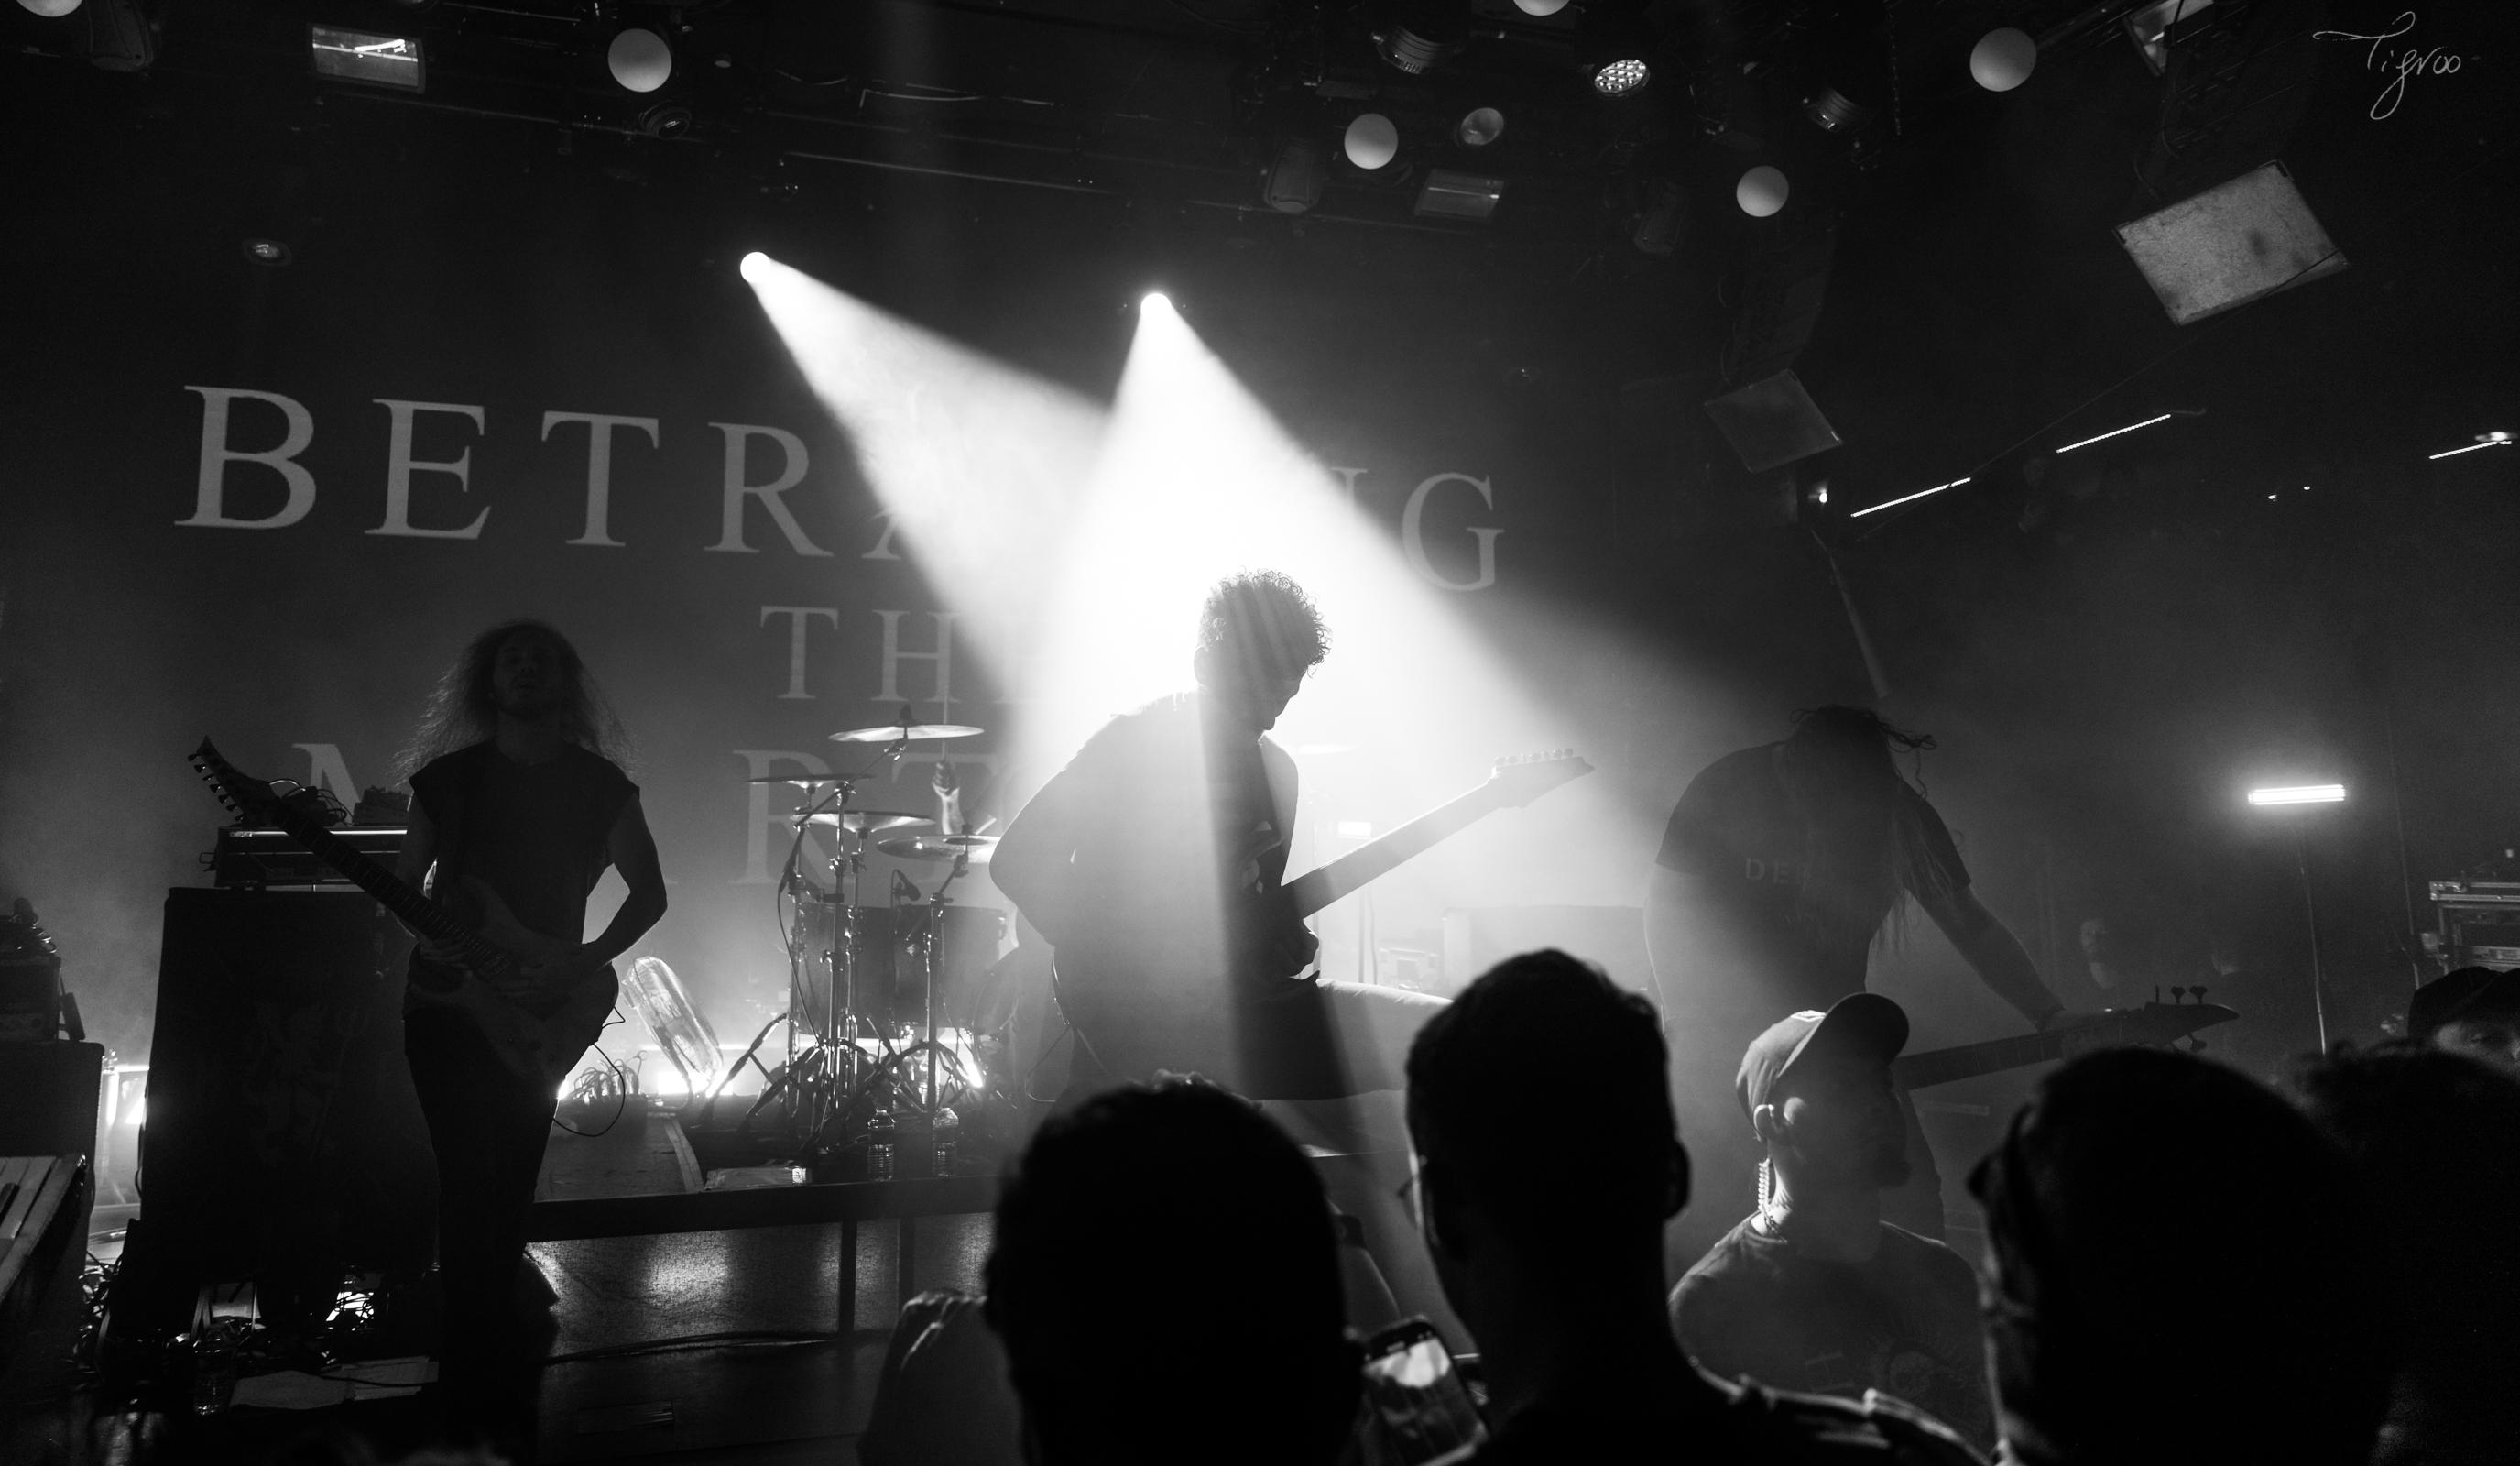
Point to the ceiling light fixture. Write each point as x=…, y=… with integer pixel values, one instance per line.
x=2114, y=431
x=1905, y=499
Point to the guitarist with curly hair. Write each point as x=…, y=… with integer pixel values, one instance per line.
x=518, y=806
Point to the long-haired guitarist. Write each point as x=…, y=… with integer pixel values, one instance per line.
x=518, y=805
x=1152, y=865
x=1780, y=868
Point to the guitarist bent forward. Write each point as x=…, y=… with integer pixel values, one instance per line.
x=1152, y=865
x=518, y=809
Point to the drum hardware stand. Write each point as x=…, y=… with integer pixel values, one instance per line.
x=825, y=1069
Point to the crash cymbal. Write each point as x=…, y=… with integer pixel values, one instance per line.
x=805, y=779
x=866, y=821
x=915, y=732
x=974, y=848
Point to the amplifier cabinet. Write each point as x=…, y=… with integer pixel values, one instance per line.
x=2477, y=924
x=282, y=1141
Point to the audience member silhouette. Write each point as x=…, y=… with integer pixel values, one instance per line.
x=1166, y=1284
x=2474, y=1010
x=1547, y=1164
x=2437, y=1137
x=1813, y=1290
x=2179, y=1272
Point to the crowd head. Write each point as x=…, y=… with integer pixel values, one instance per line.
x=2178, y=1274
x=1586, y=1158
x=1165, y=1280
x=2474, y=1011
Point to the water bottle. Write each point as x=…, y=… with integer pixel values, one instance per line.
x=215, y=1369
x=948, y=1132
x=883, y=1134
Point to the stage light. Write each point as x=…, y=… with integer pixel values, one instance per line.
x=1155, y=299
x=753, y=266
x=1903, y=499
x=1296, y=181
x=639, y=59
x=1762, y=191
x=1418, y=35
x=1373, y=141
x=1453, y=195
x=393, y=61
x=267, y=252
x=2114, y=431
x=666, y=120
x=1832, y=111
x=1540, y=9
x=49, y=9
x=1480, y=127
x=2489, y=440
x=2299, y=794
x=1621, y=76
x=2002, y=59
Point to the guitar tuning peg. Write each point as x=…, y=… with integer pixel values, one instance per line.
x=2177, y=994
x=2196, y=1045
x=2156, y=992
x=2199, y=992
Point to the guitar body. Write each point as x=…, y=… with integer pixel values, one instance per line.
x=540, y=1042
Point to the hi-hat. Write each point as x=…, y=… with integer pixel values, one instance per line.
x=866, y=821
x=915, y=732
x=973, y=848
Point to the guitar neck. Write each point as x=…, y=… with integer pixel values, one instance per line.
x=418, y=912
x=1316, y=888
x=1969, y=1060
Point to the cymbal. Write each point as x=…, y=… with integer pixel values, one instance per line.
x=804, y=779
x=974, y=848
x=866, y=821
x=915, y=732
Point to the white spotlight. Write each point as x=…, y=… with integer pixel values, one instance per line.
x=1480, y=127
x=640, y=60
x=1543, y=9
x=1762, y=191
x=1373, y=141
x=1155, y=299
x=753, y=266
x=2302, y=793
x=2002, y=59
x=49, y=9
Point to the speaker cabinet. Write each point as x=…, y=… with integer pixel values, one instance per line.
x=283, y=1140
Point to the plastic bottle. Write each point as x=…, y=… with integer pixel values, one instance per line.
x=947, y=1137
x=883, y=1134
x=215, y=1369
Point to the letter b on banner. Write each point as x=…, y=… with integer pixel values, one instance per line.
x=209, y=509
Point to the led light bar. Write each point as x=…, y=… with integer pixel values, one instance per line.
x=2305, y=793
x=2114, y=431
x=367, y=56
x=1905, y=500
x=2492, y=442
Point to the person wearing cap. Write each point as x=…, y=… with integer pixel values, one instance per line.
x=2474, y=1011
x=1814, y=1291
x=1782, y=869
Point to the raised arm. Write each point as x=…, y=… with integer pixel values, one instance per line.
x=1995, y=955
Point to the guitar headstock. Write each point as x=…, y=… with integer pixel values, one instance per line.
x=2158, y=1023
x=1520, y=778
x=253, y=802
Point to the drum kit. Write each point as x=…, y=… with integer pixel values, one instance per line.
x=869, y=981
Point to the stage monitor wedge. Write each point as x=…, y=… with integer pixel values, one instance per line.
x=2234, y=242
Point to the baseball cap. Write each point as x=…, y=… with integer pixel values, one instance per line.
x=1863, y=1027
x=2469, y=992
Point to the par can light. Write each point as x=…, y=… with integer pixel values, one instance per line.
x=639, y=59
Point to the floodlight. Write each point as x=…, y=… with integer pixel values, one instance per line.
x=1621, y=76
x=1479, y=127
x=2300, y=794
x=270, y=251
x=639, y=59
x=370, y=57
x=1155, y=300
x=753, y=266
x=49, y=9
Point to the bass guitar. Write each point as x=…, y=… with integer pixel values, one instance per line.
x=2119, y=1027
x=1147, y=963
x=539, y=1042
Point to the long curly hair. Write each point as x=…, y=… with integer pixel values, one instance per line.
x=463, y=709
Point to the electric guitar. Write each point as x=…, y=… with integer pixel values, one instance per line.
x=1136, y=960
x=2119, y=1027
x=539, y=1042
